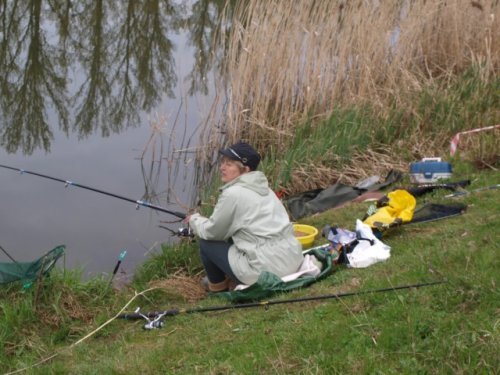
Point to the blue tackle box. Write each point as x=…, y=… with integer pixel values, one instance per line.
x=429, y=170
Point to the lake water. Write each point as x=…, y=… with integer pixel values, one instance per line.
x=80, y=88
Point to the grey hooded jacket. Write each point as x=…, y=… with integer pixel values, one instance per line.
x=249, y=213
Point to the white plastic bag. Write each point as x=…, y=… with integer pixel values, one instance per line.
x=368, y=252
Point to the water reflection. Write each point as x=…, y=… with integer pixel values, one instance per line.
x=32, y=77
x=203, y=28
x=92, y=65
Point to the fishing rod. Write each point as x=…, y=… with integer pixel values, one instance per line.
x=6, y=253
x=465, y=192
x=68, y=183
x=136, y=315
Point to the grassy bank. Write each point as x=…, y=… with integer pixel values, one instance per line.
x=450, y=328
x=315, y=126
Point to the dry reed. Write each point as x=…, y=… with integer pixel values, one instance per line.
x=288, y=61
x=71, y=307
x=185, y=286
x=373, y=162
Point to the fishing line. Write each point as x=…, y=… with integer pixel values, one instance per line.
x=71, y=183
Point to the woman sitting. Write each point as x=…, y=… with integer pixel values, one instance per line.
x=249, y=230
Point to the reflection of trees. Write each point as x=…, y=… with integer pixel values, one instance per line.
x=203, y=24
x=27, y=88
x=94, y=93
x=144, y=57
x=129, y=62
x=118, y=53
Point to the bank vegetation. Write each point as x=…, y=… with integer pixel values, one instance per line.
x=329, y=90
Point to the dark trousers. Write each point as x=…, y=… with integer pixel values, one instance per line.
x=214, y=255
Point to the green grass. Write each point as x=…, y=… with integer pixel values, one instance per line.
x=182, y=256
x=54, y=312
x=451, y=328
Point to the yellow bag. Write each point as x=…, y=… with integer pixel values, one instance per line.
x=399, y=209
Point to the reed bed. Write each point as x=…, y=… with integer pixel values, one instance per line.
x=290, y=62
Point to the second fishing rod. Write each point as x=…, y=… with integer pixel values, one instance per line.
x=67, y=183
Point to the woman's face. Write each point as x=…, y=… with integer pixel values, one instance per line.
x=230, y=169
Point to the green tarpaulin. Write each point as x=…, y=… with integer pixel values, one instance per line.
x=269, y=284
x=319, y=200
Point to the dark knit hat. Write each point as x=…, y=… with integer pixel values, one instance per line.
x=244, y=153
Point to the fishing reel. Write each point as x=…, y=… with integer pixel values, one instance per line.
x=155, y=323
x=185, y=232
